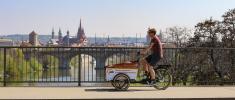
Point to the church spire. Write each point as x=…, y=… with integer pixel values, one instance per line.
x=108, y=40
x=53, y=33
x=59, y=33
x=67, y=32
x=80, y=30
x=60, y=36
x=81, y=37
x=68, y=37
x=80, y=25
x=160, y=35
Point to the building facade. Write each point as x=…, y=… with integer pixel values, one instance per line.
x=67, y=40
x=33, y=39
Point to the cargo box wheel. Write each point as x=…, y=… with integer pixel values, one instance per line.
x=121, y=82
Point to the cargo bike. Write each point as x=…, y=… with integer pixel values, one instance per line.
x=123, y=74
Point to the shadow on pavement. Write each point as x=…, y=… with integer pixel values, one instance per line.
x=113, y=90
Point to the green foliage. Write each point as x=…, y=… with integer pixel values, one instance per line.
x=75, y=61
x=51, y=61
x=1, y=65
x=18, y=69
x=35, y=70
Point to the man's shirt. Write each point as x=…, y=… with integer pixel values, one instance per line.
x=157, y=46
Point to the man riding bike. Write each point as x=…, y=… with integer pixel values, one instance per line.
x=150, y=61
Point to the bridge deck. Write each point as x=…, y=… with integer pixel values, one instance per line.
x=108, y=92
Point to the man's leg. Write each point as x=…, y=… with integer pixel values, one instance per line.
x=152, y=72
x=153, y=62
x=145, y=65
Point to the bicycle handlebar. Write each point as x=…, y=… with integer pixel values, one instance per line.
x=139, y=56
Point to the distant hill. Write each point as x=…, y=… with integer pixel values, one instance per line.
x=16, y=37
x=45, y=38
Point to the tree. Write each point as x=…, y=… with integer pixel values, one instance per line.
x=178, y=35
x=228, y=30
x=207, y=34
x=228, y=33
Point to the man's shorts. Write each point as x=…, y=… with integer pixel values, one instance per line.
x=153, y=59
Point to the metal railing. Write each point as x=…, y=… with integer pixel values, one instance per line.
x=84, y=66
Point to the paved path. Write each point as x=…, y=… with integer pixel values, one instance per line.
x=108, y=92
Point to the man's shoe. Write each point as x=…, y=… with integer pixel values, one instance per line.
x=145, y=81
x=153, y=82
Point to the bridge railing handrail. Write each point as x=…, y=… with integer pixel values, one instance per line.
x=134, y=47
x=174, y=56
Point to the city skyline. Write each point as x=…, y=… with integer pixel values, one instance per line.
x=104, y=17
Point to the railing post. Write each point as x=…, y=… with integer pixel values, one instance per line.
x=79, y=69
x=4, y=69
x=175, y=51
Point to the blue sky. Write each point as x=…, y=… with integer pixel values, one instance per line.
x=105, y=17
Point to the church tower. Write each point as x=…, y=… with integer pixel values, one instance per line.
x=33, y=39
x=80, y=34
x=60, y=37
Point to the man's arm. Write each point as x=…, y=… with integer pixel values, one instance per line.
x=147, y=49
